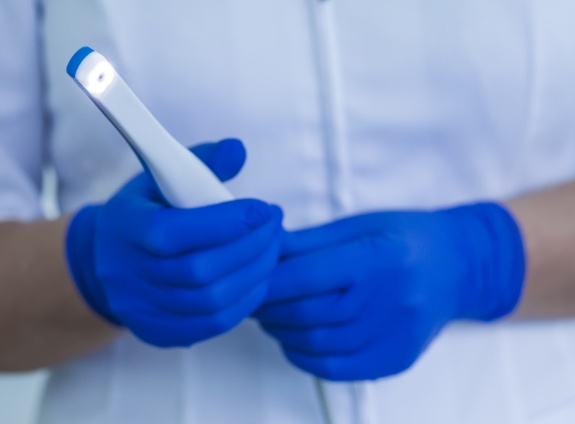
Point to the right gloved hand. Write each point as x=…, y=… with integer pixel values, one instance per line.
x=174, y=277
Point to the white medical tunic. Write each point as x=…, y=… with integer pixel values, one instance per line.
x=344, y=106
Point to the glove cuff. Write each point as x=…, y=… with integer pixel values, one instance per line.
x=499, y=258
x=80, y=240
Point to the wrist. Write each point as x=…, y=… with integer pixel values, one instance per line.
x=80, y=245
x=493, y=248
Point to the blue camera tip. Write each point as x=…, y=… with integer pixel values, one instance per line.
x=76, y=60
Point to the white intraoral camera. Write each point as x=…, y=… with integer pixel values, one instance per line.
x=184, y=180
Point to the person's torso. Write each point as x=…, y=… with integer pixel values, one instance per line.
x=344, y=106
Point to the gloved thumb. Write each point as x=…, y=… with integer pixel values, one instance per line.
x=225, y=158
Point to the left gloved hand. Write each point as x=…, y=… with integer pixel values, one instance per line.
x=362, y=297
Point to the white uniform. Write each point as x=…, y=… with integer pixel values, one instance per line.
x=345, y=106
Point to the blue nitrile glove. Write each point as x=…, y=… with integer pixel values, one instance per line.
x=362, y=297
x=175, y=276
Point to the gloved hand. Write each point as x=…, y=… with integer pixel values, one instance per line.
x=175, y=276
x=362, y=297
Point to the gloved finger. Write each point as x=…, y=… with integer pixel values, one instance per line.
x=208, y=265
x=376, y=361
x=398, y=340
x=215, y=297
x=225, y=158
x=376, y=319
x=328, y=309
x=326, y=340
x=173, y=232
x=339, y=232
x=165, y=330
x=333, y=268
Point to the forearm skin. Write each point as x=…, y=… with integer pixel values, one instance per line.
x=43, y=319
x=547, y=221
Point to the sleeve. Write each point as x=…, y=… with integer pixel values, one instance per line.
x=21, y=111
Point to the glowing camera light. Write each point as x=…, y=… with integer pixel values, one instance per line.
x=92, y=71
x=99, y=78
